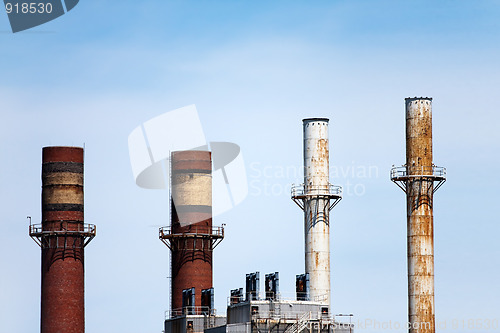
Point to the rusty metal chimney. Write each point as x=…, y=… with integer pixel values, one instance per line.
x=316, y=196
x=191, y=236
x=62, y=236
x=419, y=178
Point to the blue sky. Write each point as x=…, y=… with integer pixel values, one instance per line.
x=254, y=69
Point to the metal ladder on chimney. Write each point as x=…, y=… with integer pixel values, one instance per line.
x=300, y=324
x=170, y=222
x=277, y=308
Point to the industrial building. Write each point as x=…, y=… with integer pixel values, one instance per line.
x=191, y=239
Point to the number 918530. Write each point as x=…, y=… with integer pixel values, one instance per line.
x=29, y=8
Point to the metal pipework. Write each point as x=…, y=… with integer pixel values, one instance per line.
x=317, y=197
x=62, y=236
x=417, y=178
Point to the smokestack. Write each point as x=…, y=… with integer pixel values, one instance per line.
x=317, y=197
x=191, y=236
x=417, y=179
x=62, y=236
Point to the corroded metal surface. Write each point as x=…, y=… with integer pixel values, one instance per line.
x=419, y=189
x=317, y=207
x=62, y=236
x=316, y=196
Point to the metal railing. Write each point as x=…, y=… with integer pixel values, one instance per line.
x=281, y=297
x=166, y=232
x=65, y=227
x=190, y=310
x=62, y=228
x=215, y=235
x=291, y=315
x=402, y=175
x=418, y=171
x=343, y=325
x=299, y=190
